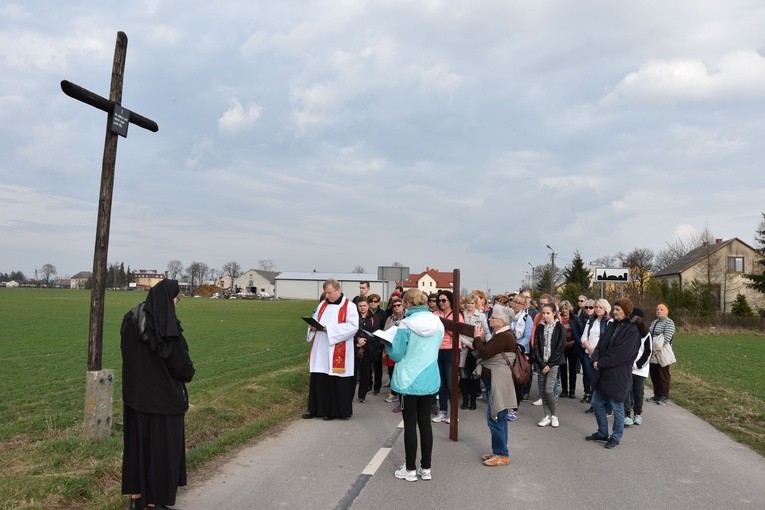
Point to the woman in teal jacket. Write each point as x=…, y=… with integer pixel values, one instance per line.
x=416, y=379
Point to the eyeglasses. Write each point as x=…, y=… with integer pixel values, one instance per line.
x=589, y=307
x=581, y=300
x=396, y=304
x=375, y=301
x=443, y=300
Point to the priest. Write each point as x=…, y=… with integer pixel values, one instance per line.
x=332, y=383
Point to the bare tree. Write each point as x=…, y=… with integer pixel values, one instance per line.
x=397, y=264
x=604, y=261
x=679, y=247
x=46, y=271
x=196, y=272
x=640, y=263
x=266, y=265
x=174, y=268
x=358, y=269
x=232, y=270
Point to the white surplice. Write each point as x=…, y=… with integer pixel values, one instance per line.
x=324, y=341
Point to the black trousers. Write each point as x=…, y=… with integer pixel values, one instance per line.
x=416, y=412
x=364, y=364
x=567, y=371
x=377, y=368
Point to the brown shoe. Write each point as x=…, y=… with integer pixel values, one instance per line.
x=497, y=460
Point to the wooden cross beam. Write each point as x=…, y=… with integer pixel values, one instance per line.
x=456, y=328
x=116, y=125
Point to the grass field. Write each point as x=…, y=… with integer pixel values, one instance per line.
x=721, y=378
x=250, y=358
x=251, y=376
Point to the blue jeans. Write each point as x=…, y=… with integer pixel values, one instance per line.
x=600, y=402
x=498, y=429
x=445, y=371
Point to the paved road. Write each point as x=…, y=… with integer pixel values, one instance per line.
x=674, y=460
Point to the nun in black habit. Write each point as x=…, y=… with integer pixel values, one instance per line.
x=155, y=367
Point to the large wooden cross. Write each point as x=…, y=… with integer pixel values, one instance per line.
x=97, y=418
x=456, y=328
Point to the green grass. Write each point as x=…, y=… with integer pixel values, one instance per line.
x=720, y=378
x=251, y=375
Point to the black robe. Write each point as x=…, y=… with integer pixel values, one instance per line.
x=155, y=366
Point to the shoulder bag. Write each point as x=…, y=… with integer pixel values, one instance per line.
x=666, y=356
x=658, y=342
x=521, y=368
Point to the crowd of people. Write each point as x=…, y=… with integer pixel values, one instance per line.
x=610, y=344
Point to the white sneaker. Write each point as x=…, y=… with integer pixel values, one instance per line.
x=628, y=421
x=554, y=421
x=424, y=473
x=545, y=421
x=441, y=416
x=537, y=402
x=405, y=474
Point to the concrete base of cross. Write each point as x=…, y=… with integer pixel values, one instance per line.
x=99, y=398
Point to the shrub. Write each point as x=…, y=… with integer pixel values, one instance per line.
x=741, y=308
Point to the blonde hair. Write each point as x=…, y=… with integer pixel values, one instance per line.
x=415, y=297
x=605, y=305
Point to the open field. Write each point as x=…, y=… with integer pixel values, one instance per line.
x=251, y=376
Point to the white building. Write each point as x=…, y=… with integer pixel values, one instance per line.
x=298, y=285
x=256, y=281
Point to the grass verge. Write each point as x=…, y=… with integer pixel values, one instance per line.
x=719, y=377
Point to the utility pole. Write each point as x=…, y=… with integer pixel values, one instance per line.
x=552, y=270
x=532, y=278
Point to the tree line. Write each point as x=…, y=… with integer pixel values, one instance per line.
x=694, y=299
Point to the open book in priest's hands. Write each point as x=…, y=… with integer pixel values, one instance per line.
x=313, y=322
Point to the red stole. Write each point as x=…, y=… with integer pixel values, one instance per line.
x=338, y=356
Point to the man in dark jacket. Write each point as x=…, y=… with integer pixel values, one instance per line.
x=612, y=363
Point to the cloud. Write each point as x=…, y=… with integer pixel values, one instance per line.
x=736, y=76
x=237, y=118
x=459, y=129
x=684, y=231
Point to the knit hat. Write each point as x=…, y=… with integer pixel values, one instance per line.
x=638, y=312
x=625, y=304
x=503, y=313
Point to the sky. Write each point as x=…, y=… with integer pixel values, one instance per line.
x=324, y=135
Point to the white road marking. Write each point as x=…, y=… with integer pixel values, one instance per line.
x=376, y=461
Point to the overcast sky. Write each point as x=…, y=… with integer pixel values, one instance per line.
x=329, y=134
